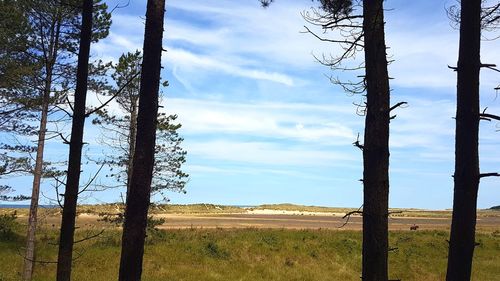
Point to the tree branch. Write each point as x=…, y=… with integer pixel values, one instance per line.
x=89, y=237
x=489, y=175
x=397, y=105
x=490, y=66
x=349, y=214
x=352, y=43
x=488, y=117
x=357, y=144
x=112, y=97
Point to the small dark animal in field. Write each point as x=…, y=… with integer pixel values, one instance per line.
x=414, y=227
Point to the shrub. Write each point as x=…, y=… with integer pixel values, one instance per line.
x=8, y=225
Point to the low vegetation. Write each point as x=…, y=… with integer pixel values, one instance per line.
x=244, y=254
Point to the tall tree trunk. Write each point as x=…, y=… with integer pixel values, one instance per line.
x=466, y=178
x=66, y=239
x=29, y=259
x=136, y=212
x=376, y=146
x=131, y=143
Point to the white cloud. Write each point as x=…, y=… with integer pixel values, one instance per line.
x=287, y=121
x=193, y=62
x=423, y=123
x=201, y=169
x=267, y=153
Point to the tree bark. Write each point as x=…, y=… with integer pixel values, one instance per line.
x=29, y=258
x=66, y=239
x=35, y=192
x=134, y=230
x=466, y=178
x=376, y=146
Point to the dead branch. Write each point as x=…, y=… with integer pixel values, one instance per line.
x=64, y=110
x=34, y=260
x=490, y=66
x=349, y=214
x=91, y=180
x=357, y=144
x=488, y=117
x=69, y=104
x=65, y=140
x=351, y=43
x=489, y=175
x=398, y=105
x=113, y=96
x=89, y=237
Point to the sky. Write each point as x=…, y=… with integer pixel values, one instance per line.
x=263, y=124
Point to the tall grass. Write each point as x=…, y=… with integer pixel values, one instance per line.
x=252, y=254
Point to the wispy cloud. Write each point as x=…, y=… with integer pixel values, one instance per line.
x=284, y=121
x=190, y=61
x=267, y=153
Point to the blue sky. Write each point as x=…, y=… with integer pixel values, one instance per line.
x=263, y=124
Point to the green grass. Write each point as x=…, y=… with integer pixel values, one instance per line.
x=251, y=254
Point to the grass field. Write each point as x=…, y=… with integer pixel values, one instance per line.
x=249, y=254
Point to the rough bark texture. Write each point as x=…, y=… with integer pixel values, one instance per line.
x=376, y=146
x=134, y=230
x=66, y=238
x=29, y=259
x=462, y=237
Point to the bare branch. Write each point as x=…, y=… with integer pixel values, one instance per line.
x=69, y=104
x=92, y=179
x=397, y=105
x=349, y=214
x=488, y=117
x=112, y=97
x=489, y=175
x=357, y=144
x=89, y=237
x=490, y=66
x=352, y=43
x=118, y=6
x=33, y=260
x=65, y=140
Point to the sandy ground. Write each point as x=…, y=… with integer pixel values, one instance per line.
x=310, y=220
x=285, y=219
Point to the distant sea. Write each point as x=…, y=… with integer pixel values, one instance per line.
x=24, y=206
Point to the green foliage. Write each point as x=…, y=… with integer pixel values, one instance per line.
x=119, y=132
x=337, y=7
x=214, y=251
x=39, y=40
x=241, y=254
x=8, y=225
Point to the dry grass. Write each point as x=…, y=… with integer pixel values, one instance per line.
x=251, y=254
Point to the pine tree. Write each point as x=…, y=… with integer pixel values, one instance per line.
x=138, y=200
x=49, y=33
x=120, y=131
